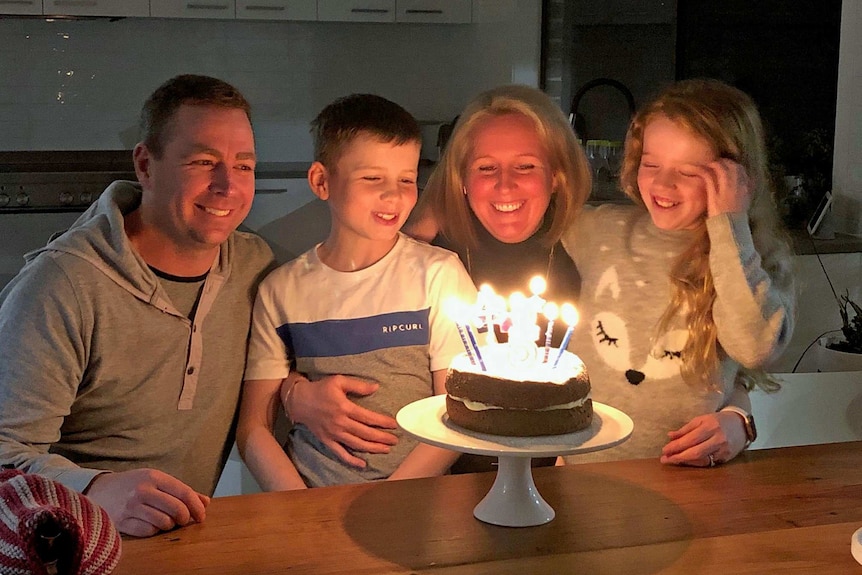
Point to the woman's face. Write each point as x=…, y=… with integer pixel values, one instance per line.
x=508, y=179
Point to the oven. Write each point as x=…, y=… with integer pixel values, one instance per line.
x=44, y=192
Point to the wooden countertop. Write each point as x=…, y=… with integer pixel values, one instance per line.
x=789, y=510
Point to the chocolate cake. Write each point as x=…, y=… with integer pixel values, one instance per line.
x=518, y=400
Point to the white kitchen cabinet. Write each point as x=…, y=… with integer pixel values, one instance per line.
x=356, y=10
x=276, y=9
x=434, y=11
x=193, y=9
x=20, y=6
x=120, y=8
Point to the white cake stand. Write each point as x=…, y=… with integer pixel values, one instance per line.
x=513, y=500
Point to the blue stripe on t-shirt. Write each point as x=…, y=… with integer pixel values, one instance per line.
x=336, y=337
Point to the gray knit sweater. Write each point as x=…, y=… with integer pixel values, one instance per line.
x=99, y=371
x=624, y=261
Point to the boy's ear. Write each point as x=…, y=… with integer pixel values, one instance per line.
x=318, y=180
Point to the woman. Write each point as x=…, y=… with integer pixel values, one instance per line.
x=511, y=180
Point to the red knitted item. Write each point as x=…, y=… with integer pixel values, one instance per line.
x=40, y=518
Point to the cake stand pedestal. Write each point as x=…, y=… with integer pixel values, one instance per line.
x=513, y=500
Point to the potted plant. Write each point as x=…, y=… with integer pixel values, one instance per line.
x=844, y=352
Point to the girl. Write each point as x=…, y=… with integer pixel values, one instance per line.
x=686, y=296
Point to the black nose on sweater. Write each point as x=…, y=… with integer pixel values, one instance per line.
x=634, y=377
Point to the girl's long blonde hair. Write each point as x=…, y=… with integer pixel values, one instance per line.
x=728, y=120
x=444, y=198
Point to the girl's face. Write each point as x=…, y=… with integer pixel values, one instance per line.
x=508, y=180
x=669, y=176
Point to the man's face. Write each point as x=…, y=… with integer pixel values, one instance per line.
x=202, y=186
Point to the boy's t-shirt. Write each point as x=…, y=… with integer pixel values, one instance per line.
x=385, y=324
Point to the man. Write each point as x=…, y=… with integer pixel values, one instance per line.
x=130, y=329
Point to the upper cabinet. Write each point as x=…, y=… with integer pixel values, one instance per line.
x=408, y=11
x=276, y=9
x=193, y=8
x=118, y=8
x=20, y=6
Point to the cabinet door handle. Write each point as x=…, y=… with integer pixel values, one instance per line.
x=197, y=6
x=369, y=10
x=75, y=2
x=420, y=11
x=251, y=7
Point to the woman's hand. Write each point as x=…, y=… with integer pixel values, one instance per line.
x=728, y=187
x=720, y=435
x=326, y=410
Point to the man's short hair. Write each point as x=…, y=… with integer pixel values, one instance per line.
x=348, y=117
x=190, y=89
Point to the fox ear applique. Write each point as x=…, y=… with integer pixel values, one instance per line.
x=608, y=282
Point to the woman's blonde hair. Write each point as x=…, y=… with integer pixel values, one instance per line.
x=444, y=198
x=729, y=121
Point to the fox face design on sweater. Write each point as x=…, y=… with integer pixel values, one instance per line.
x=626, y=348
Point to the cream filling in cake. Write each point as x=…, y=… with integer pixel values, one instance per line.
x=479, y=406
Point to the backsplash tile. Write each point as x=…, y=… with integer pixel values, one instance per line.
x=80, y=84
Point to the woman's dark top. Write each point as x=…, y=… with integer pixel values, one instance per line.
x=509, y=268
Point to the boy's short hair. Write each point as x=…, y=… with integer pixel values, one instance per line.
x=349, y=116
x=191, y=89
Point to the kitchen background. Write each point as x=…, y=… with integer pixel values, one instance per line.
x=79, y=85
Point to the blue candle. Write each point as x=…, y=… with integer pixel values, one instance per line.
x=467, y=346
x=475, y=348
x=570, y=316
x=564, y=344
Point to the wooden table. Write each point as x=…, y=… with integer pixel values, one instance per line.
x=790, y=510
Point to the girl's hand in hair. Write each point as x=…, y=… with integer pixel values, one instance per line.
x=728, y=187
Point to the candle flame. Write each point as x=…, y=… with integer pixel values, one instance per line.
x=486, y=290
x=551, y=311
x=516, y=300
x=538, y=285
x=570, y=314
x=455, y=309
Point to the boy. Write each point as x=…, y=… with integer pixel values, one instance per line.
x=365, y=303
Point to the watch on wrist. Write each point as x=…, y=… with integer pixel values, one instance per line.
x=747, y=421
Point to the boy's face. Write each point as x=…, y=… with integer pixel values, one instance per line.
x=372, y=188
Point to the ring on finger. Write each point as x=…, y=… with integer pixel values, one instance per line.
x=711, y=460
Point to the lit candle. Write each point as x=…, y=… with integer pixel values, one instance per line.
x=570, y=316
x=551, y=311
x=538, y=285
x=475, y=347
x=457, y=310
x=466, y=344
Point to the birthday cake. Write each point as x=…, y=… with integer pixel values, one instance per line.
x=518, y=400
x=516, y=388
